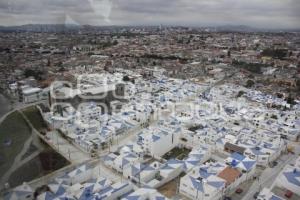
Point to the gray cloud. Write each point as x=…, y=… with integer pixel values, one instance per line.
x=258, y=13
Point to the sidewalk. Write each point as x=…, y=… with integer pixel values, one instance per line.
x=67, y=149
x=268, y=176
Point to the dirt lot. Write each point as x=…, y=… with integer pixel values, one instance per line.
x=169, y=189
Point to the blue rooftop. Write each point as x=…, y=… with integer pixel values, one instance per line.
x=248, y=164
x=237, y=156
x=256, y=151
x=292, y=177
x=155, y=138
x=197, y=184
x=275, y=198
x=132, y=197
x=216, y=184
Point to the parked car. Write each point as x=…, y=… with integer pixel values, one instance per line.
x=239, y=191
x=47, y=137
x=255, y=195
x=273, y=164
x=288, y=194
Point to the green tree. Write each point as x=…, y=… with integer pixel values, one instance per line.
x=241, y=93
x=249, y=83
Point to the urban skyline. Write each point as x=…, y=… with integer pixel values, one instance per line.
x=271, y=14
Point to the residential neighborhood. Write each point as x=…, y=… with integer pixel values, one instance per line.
x=149, y=100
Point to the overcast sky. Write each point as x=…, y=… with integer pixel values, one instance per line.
x=256, y=13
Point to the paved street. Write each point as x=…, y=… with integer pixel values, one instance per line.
x=67, y=149
x=61, y=145
x=104, y=171
x=268, y=176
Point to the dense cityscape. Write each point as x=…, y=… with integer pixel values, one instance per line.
x=92, y=112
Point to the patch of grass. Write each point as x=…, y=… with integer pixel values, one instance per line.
x=34, y=116
x=45, y=163
x=32, y=148
x=15, y=129
x=179, y=153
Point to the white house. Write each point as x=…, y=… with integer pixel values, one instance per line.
x=290, y=179
x=22, y=192
x=266, y=194
x=141, y=173
x=31, y=95
x=157, y=141
x=145, y=194
x=203, y=183
x=115, y=191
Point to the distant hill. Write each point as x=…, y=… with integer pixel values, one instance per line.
x=73, y=27
x=245, y=29
x=239, y=28
x=40, y=28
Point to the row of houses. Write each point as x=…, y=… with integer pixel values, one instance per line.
x=213, y=179
x=247, y=132
x=92, y=127
x=27, y=91
x=145, y=163
x=213, y=128
x=82, y=183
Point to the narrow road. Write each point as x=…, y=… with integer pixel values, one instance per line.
x=108, y=173
x=67, y=149
x=268, y=177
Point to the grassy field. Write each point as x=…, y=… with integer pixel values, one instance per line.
x=35, y=118
x=179, y=153
x=15, y=129
x=43, y=164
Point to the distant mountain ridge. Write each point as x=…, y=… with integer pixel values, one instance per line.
x=74, y=27
x=244, y=28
